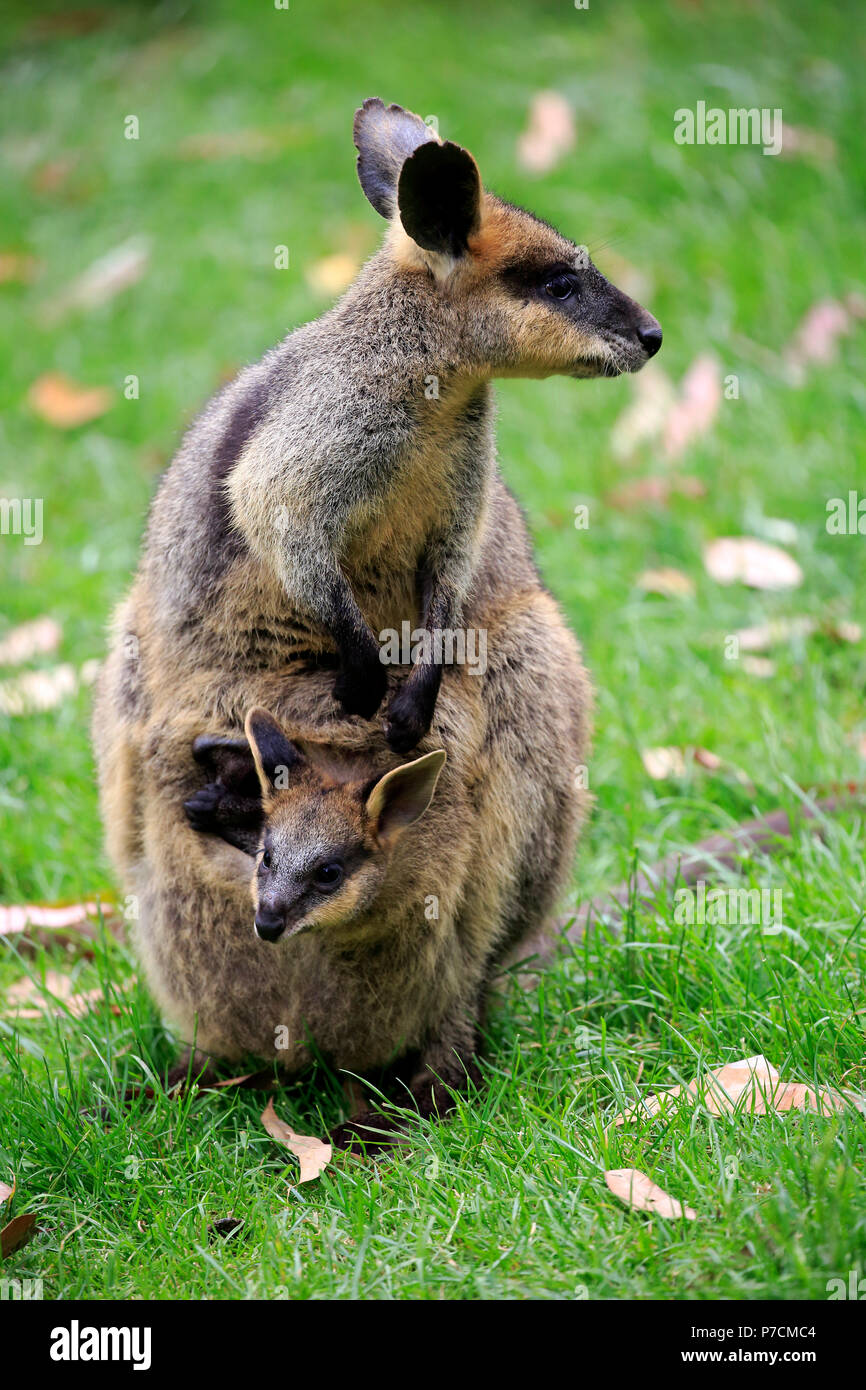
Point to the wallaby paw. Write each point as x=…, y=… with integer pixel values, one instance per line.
x=406, y=723
x=202, y=809
x=360, y=690
x=368, y=1134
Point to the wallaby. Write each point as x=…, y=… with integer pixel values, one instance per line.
x=340, y=487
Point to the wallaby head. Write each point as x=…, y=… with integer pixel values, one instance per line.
x=330, y=828
x=529, y=301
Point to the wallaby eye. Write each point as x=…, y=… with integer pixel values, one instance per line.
x=266, y=859
x=560, y=287
x=328, y=876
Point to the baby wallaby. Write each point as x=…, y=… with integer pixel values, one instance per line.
x=322, y=827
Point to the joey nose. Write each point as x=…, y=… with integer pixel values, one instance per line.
x=269, y=925
x=650, y=337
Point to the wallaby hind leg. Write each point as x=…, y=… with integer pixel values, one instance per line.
x=447, y=1067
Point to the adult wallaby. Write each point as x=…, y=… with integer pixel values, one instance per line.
x=344, y=485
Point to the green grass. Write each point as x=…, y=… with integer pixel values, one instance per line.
x=507, y=1199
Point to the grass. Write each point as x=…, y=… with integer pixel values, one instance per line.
x=507, y=1199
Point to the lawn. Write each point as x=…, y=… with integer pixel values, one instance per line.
x=244, y=123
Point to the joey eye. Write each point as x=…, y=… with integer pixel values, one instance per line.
x=560, y=287
x=266, y=859
x=328, y=876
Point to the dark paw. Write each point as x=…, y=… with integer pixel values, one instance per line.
x=360, y=689
x=368, y=1134
x=202, y=809
x=408, y=720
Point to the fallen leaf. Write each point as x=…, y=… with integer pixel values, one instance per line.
x=16, y=267
x=48, y=992
x=752, y=562
x=766, y=635
x=35, y=638
x=706, y=759
x=815, y=342
x=37, y=690
x=65, y=404
x=661, y=763
x=640, y=1193
x=809, y=144
x=657, y=490
x=18, y=1231
x=696, y=408
x=314, y=1155
x=644, y=419
x=751, y=1085
x=14, y=919
x=671, y=583
x=332, y=274
x=117, y=270
x=760, y=666
x=549, y=135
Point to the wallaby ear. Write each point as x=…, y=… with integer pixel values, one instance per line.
x=275, y=754
x=403, y=795
x=439, y=198
x=385, y=136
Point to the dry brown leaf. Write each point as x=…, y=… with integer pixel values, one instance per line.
x=65, y=404
x=760, y=666
x=549, y=135
x=14, y=918
x=314, y=1155
x=644, y=419
x=31, y=639
x=332, y=274
x=751, y=1085
x=16, y=267
x=16, y=1233
x=116, y=271
x=37, y=690
x=752, y=562
x=669, y=582
x=809, y=144
x=661, y=763
x=816, y=340
x=47, y=993
x=640, y=1193
x=656, y=490
x=766, y=635
x=696, y=408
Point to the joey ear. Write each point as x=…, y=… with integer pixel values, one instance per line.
x=385, y=136
x=403, y=795
x=439, y=198
x=275, y=754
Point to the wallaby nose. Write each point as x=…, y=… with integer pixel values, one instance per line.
x=650, y=338
x=269, y=925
